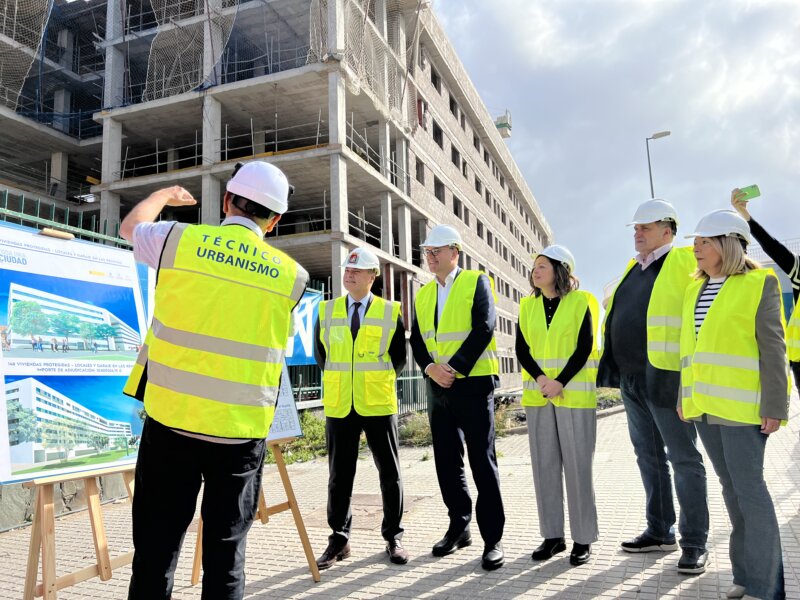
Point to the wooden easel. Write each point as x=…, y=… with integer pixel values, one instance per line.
x=43, y=533
x=264, y=512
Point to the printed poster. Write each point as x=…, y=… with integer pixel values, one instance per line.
x=72, y=319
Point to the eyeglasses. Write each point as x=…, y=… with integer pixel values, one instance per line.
x=433, y=251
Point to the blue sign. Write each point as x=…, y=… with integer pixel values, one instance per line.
x=300, y=350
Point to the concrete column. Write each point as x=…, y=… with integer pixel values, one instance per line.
x=58, y=174
x=62, y=106
x=66, y=41
x=114, y=77
x=401, y=162
x=406, y=302
x=388, y=281
x=211, y=200
x=109, y=213
x=212, y=46
x=399, y=47
x=172, y=158
x=387, y=237
x=423, y=231
x=404, y=232
x=338, y=194
x=212, y=129
x=112, y=151
x=335, y=28
x=384, y=147
x=337, y=122
x=339, y=252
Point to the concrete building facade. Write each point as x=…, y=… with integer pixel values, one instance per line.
x=363, y=103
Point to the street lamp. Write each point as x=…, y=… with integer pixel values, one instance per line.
x=655, y=136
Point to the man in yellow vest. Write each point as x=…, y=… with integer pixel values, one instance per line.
x=641, y=356
x=208, y=374
x=361, y=348
x=452, y=339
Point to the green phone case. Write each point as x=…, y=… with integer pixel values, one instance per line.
x=750, y=192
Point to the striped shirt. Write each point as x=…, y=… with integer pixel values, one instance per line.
x=706, y=298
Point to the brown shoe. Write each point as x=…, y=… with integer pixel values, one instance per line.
x=333, y=553
x=397, y=554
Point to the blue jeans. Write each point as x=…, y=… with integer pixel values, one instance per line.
x=737, y=454
x=658, y=435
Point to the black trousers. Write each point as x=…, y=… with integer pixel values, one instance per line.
x=169, y=471
x=342, y=438
x=465, y=413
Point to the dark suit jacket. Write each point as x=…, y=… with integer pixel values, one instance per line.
x=397, y=347
x=483, y=322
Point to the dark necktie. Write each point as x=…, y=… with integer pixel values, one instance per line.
x=355, y=323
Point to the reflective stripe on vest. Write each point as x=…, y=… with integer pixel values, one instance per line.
x=551, y=348
x=793, y=335
x=455, y=324
x=720, y=372
x=217, y=343
x=664, y=310
x=358, y=375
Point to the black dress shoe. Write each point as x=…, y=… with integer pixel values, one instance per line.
x=493, y=557
x=693, y=561
x=452, y=542
x=397, y=554
x=549, y=548
x=333, y=553
x=580, y=554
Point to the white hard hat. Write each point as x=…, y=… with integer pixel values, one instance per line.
x=361, y=258
x=653, y=211
x=263, y=183
x=559, y=253
x=722, y=222
x=442, y=235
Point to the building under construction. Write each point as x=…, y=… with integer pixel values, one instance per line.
x=363, y=103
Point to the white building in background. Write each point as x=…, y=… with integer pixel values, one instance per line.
x=127, y=337
x=48, y=406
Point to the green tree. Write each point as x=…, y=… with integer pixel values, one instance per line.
x=21, y=424
x=64, y=324
x=88, y=333
x=99, y=441
x=27, y=318
x=59, y=434
x=107, y=331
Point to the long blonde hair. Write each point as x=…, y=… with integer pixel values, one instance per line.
x=734, y=259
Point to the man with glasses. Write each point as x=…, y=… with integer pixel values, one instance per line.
x=452, y=339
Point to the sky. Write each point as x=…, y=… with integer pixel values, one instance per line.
x=587, y=81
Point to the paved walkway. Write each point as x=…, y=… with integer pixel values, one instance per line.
x=276, y=566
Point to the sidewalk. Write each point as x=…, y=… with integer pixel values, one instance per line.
x=276, y=566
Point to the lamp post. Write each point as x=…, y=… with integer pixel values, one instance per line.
x=655, y=136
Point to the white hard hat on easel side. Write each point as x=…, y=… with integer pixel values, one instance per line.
x=442, y=235
x=361, y=258
x=722, y=222
x=653, y=211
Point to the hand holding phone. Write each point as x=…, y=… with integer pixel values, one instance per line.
x=750, y=192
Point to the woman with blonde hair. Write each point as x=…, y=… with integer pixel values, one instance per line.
x=557, y=349
x=734, y=382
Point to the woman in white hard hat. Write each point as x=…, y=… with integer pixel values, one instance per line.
x=557, y=350
x=735, y=387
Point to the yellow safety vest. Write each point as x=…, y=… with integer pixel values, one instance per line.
x=358, y=374
x=665, y=308
x=793, y=335
x=455, y=325
x=215, y=350
x=551, y=348
x=720, y=372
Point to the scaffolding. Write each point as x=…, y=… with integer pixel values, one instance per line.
x=22, y=22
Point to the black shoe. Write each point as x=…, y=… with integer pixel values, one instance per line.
x=397, y=554
x=549, y=548
x=645, y=543
x=493, y=557
x=452, y=542
x=333, y=553
x=580, y=554
x=693, y=561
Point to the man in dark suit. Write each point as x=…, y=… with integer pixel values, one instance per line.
x=456, y=350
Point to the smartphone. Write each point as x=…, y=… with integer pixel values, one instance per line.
x=750, y=192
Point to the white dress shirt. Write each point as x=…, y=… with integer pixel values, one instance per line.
x=362, y=310
x=443, y=291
